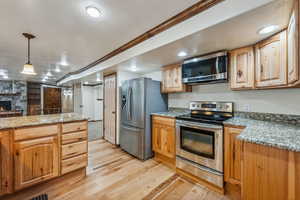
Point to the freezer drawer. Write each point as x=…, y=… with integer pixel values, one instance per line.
x=132, y=141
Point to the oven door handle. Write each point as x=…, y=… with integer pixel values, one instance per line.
x=198, y=125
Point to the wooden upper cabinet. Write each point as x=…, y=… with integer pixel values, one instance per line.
x=242, y=68
x=233, y=152
x=271, y=61
x=36, y=160
x=172, y=79
x=5, y=163
x=163, y=136
x=292, y=44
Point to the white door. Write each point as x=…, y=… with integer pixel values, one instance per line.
x=110, y=108
x=77, y=98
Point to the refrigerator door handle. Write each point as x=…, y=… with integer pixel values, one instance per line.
x=130, y=104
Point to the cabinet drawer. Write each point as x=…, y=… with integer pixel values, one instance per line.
x=75, y=126
x=35, y=132
x=74, y=137
x=74, y=149
x=163, y=120
x=72, y=164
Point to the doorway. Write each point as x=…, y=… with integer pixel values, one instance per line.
x=110, y=95
x=51, y=100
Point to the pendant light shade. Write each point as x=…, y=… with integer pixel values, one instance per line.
x=28, y=68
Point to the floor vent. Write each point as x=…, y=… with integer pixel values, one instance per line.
x=41, y=197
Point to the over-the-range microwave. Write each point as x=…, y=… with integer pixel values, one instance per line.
x=209, y=68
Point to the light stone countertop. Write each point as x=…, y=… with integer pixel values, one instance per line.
x=272, y=134
x=172, y=114
x=17, y=122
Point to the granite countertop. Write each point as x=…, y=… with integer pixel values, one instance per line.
x=16, y=122
x=172, y=114
x=283, y=136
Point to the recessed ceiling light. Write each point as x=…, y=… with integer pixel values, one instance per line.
x=268, y=29
x=86, y=82
x=44, y=80
x=182, y=54
x=49, y=74
x=57, y=69
x=92, y=11
x=133, y=68
x=5, y=76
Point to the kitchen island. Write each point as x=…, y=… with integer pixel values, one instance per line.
x=38, y=148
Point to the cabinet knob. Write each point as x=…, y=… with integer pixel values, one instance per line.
x=240, y=73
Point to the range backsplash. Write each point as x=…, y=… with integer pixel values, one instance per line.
x=280, y=118
x=18, y=102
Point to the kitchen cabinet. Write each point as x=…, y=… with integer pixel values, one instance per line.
x=233, y=152
x=271, y=61
x=74, y=146
x=163, y=139
x=292, y=46
x=36, y=160
x=242, y=68
x=172, y=79
x=269, y=173
x=5, y=163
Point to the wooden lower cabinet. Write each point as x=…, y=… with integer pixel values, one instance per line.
x=269, y=173
x=233, y=153
x=36, y=160
x=163, y=138
x=5, y=162
x=32, y=155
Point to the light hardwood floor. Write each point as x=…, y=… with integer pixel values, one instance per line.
x=113, y=174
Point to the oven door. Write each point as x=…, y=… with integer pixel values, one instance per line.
x=200, y=143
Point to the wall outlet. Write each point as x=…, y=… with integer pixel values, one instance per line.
x=247, y=108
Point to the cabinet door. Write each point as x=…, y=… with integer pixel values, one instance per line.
x=36, y=160
x=242, y=68
x=163, y=137
x=233, y=149
x=172, y=79
x=271, y=61
x=5, y=163
x=292, y=43
x=268, y=173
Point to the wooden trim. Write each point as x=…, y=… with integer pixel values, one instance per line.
x=182, y=16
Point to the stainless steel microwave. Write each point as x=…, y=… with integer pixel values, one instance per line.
x=209, y=68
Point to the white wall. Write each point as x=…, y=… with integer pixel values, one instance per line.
x=92, y=109
x=154, y=75
x=283, y=101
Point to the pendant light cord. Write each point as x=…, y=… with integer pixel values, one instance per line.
x=28, y=51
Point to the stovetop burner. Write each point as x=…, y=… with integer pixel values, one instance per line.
x=209, y=112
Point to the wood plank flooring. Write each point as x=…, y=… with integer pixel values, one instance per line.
x=113, y=174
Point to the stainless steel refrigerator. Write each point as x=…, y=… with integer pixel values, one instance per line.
x=139, y=98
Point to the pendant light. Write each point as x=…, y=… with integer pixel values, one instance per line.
x=28, y=67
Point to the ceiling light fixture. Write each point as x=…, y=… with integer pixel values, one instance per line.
x=182, y=54
x=268, y=29
x=5, y=76
x=86, y=82
x=28, y=68
x=93, y=11
x=57, y=69
x=133, y=68
x=49, y=74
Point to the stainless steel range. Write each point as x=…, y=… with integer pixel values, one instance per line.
x=199, y=136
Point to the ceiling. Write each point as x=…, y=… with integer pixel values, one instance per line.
x=237, y=32
x=65, y=34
